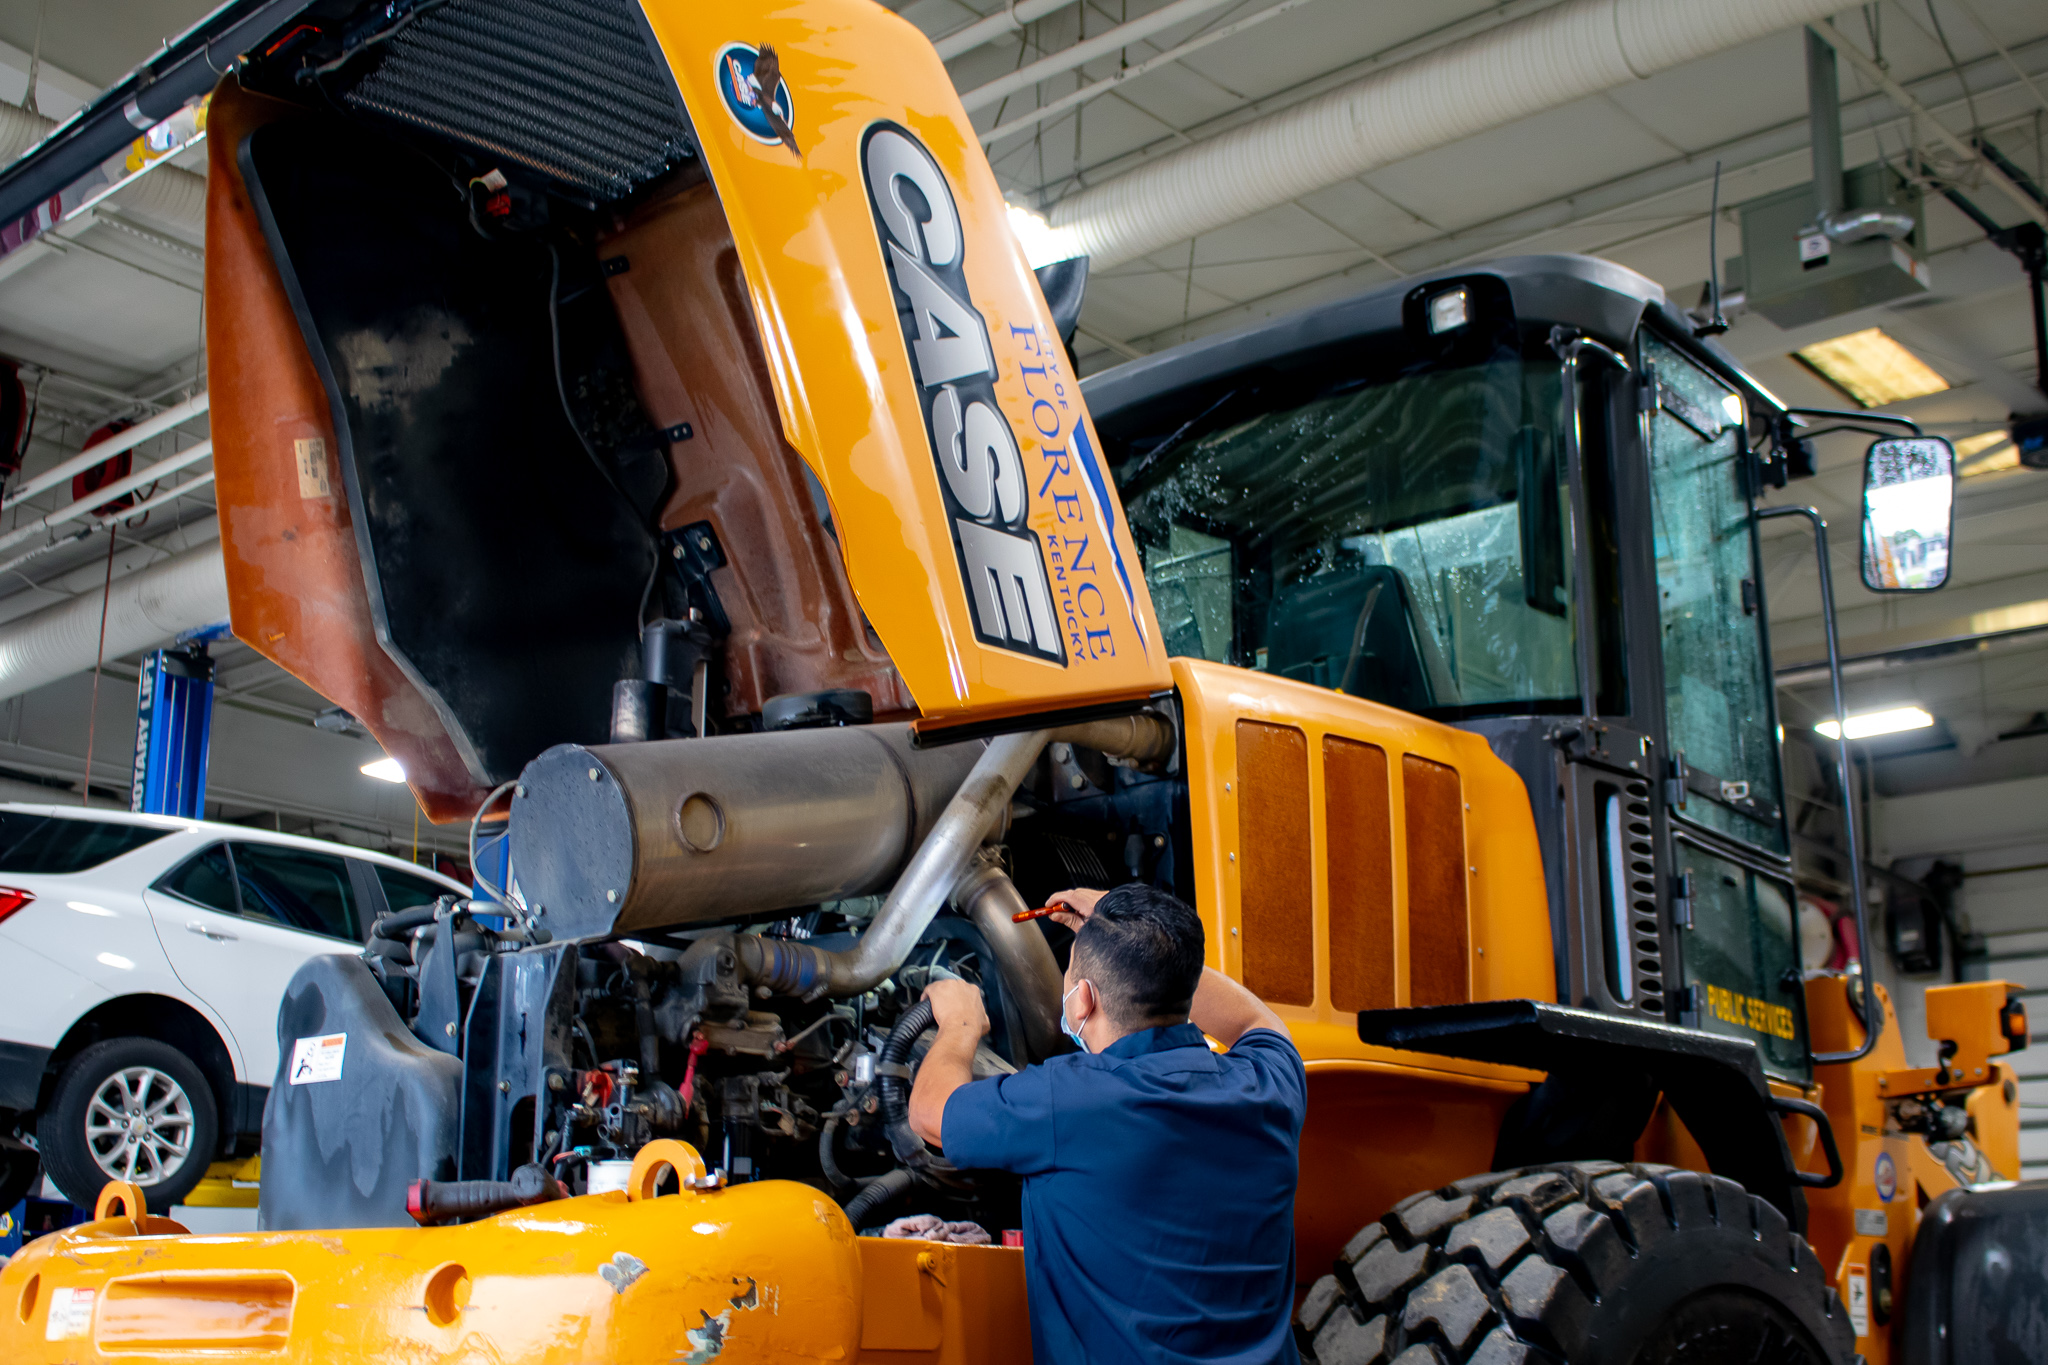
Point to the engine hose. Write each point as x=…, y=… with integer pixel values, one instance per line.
x=895, y=1090
x=878, y=1195
x=828, y=1158
x=393, y=924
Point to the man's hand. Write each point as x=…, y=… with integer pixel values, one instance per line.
x=949, y=1064
x=958, y=1004
x=1079, y=905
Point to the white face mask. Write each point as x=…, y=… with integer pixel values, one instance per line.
x=1066, y=1025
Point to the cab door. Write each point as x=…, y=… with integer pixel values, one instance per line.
x=1737, y=940
x=239, y=918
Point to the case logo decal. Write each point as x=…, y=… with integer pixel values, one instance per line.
x=1886, y=1177
x=750, y=82
x=980, y=465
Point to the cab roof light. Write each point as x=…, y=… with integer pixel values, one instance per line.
x=1872, y=723
x=12, y=899
x=1871, y=368
x=1449, y=311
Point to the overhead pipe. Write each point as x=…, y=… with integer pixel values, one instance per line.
x=189, y=65
x=1547, y=60
x=145, y=609
x=1011, y=18
x=100, y=497
x=166, y=194
x=1087, y=50
x=113, y=445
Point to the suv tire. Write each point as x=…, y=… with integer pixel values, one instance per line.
x=1592, y=1262
x=85, y=1133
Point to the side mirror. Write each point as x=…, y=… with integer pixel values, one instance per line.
x=1909, y=489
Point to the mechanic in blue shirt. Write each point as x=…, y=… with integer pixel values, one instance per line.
x=1158, y=1175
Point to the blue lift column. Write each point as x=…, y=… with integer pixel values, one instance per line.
x=173, y=721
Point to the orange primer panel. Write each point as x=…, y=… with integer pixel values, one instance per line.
x=295, y=579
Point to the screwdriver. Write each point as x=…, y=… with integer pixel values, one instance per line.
x=1040, y=913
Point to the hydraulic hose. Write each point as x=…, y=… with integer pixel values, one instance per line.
x=878, y=1195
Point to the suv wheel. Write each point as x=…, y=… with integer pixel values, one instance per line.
x=129, y=1109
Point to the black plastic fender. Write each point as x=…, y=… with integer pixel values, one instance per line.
x=1977, y=1285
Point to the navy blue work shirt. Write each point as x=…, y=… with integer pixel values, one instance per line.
x=1158, y=1194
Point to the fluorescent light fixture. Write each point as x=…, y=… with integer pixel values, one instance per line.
x=1043, y=243
x=116, y=961
x=384, y=770
x=1872, y=723
x=1871, y=368
x=1449, y=311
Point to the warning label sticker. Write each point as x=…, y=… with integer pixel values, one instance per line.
x=318, y=1059
x=311, y=454
x=70, y=1314
x=1859, y=1303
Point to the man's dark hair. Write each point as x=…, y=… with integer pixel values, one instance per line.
x=1143, y=950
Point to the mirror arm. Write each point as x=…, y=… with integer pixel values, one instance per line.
x=1882, y=433
x=1848, y=777
x=1849, y=420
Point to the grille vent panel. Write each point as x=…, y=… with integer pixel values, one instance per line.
x=566, y=88
x=1640, y=851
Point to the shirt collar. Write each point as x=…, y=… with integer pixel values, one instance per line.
x=1149, y=1040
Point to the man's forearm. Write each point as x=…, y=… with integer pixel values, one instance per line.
x=946, y=1067
x=1226, y=1011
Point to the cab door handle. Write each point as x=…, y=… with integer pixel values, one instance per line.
x=201, y=928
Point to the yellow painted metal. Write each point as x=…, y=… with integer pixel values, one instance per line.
x=925, y=1303
x=1508, y=907
x=1889, y=1175
x=761, y=1272
x=820, y=220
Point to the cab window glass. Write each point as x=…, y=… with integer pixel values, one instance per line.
x=296, y=888
x=207, y=880
x=1717, y=685
x=56, y=846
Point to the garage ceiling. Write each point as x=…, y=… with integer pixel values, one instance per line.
x=109, y=318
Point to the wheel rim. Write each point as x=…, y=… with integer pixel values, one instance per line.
x=139, y=1126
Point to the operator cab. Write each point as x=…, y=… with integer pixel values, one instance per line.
x=1517, y=501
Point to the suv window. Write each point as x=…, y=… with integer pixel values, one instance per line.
x=56, y=845
x=208, y=880
x=296, y=888
x=403, y=890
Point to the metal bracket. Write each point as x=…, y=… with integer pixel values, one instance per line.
x=1613, y=746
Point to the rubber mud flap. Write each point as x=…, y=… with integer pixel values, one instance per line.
x=343, y=1144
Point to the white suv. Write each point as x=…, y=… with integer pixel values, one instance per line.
x=145, y=958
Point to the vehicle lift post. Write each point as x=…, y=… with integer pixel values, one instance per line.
x=173, y=724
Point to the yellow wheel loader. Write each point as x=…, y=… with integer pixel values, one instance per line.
x=640, y=417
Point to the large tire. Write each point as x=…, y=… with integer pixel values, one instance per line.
x=123, y=1087
x=1593, y=1263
